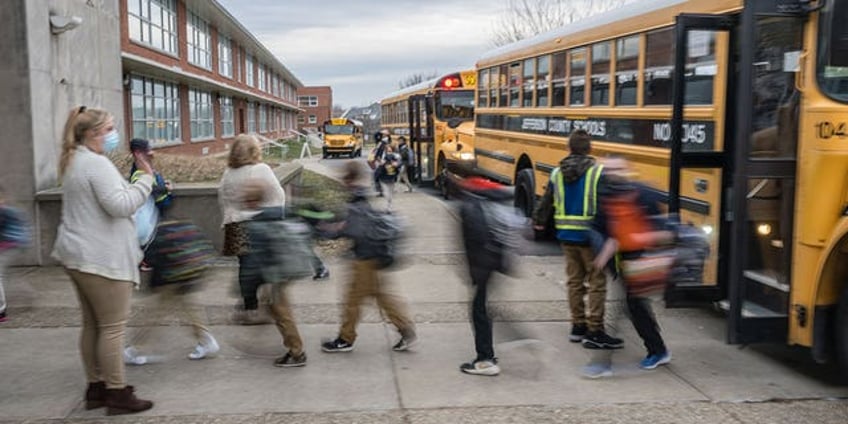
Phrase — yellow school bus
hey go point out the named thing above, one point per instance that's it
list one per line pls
(735, 110)
(437, 116)
(342, 136)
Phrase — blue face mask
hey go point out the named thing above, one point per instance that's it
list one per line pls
(111, 141)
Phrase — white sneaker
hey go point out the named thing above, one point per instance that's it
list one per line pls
(484, 367)
(205, 348)
(131, 357)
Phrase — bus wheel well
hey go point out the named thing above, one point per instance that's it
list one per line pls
(525, 186)
(523, 163)
(828, 342)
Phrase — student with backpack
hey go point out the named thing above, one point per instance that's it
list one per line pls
(373, 235)
(628, 219)
(389, 175)
(485, 237)
(407, 163)
(15, 234)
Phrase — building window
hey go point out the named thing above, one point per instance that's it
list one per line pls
(199, 41)
(263, 118)
(307, 101)
(301, 120)
(228, 127)
(200, 114)
(248, 70)
(225, 56)
(155, 110)
(262, 79)
(313, 119)
(251, 117)
(154, 22)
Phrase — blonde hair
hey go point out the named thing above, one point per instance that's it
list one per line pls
(245, 151)
(80, 121)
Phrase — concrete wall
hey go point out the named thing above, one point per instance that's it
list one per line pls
(197, 202)
(42, 77)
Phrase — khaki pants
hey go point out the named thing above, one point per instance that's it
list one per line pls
(174, 302)
(105, 308)
(366, 282)
(280, 310)
(582, 278)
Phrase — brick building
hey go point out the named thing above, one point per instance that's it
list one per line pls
(194, 77)
(317, 105)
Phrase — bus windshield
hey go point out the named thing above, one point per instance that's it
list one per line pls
(338, 129)
(455, 104)
(833, 51)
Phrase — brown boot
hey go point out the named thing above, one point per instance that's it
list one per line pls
(123, 401)
(95, 396)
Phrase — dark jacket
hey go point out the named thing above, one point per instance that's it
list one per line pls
(358, 227)
(481, 248)
(573, 167)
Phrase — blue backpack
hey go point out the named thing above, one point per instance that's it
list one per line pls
(15, 230)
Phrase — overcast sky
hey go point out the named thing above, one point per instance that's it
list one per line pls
(363, 48)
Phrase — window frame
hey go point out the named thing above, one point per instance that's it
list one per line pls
(228, 117)
(153, 117)
(140, 18)
(198, 41)
(225, 56)
(199, 116)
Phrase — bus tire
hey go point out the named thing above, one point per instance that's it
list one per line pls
(841, 329)
(525, 192)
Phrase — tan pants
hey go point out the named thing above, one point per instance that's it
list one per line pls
(366, 282)
(105, 308)
(580, 273)
(173, 302)
(279, 308)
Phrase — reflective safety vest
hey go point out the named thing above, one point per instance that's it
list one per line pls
(576, 216)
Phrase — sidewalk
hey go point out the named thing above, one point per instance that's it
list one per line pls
(708, 381)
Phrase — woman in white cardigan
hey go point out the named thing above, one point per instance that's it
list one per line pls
(245, 164)
(96, 243)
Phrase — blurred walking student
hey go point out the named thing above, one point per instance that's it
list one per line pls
(389, 174)
(628, 219)
(368, 280)
(176, 253)
(376, 158)
(570, 200)
(15, 234)
(278, 252)
(244, 164)
(98, 246)
(407, 163)
(483, 231)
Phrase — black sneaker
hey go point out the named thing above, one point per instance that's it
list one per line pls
(337, 345)
(488, 367)
(321, 274)
(405, 343)
(601, 340)
(291, 361)
(578, 332)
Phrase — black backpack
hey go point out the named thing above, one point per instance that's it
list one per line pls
(404, 154)
(384, 232)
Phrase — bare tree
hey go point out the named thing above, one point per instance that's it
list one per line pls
(525, 18)
(338, 110)
(417, 78)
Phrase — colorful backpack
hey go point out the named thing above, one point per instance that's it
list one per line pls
(179, 253)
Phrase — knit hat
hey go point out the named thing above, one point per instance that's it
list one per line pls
(139, 144)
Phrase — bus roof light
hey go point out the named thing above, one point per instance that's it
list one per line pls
(451, 82)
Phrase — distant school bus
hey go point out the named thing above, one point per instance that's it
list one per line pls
(342, 136)
(736, 111)
(437, 116)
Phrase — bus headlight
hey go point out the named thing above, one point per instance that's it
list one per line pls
(708, 229)
(463, 155)
(764, 229)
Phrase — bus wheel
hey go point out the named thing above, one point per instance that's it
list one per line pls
(525, 192)
(842, 335)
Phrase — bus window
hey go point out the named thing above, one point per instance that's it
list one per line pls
(455, 104)
(577, 81)
(543, 67)
(600, 74)
(833, 51)
(514, 83)
(558, 80)
(700, 67)
(627, 65)
(494, 80)
(775, 114)
(503, 99)
(483, 88)
(659, 51)
(529, 82)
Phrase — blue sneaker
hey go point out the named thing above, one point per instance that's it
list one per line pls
(595, 371)
(652, 361)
